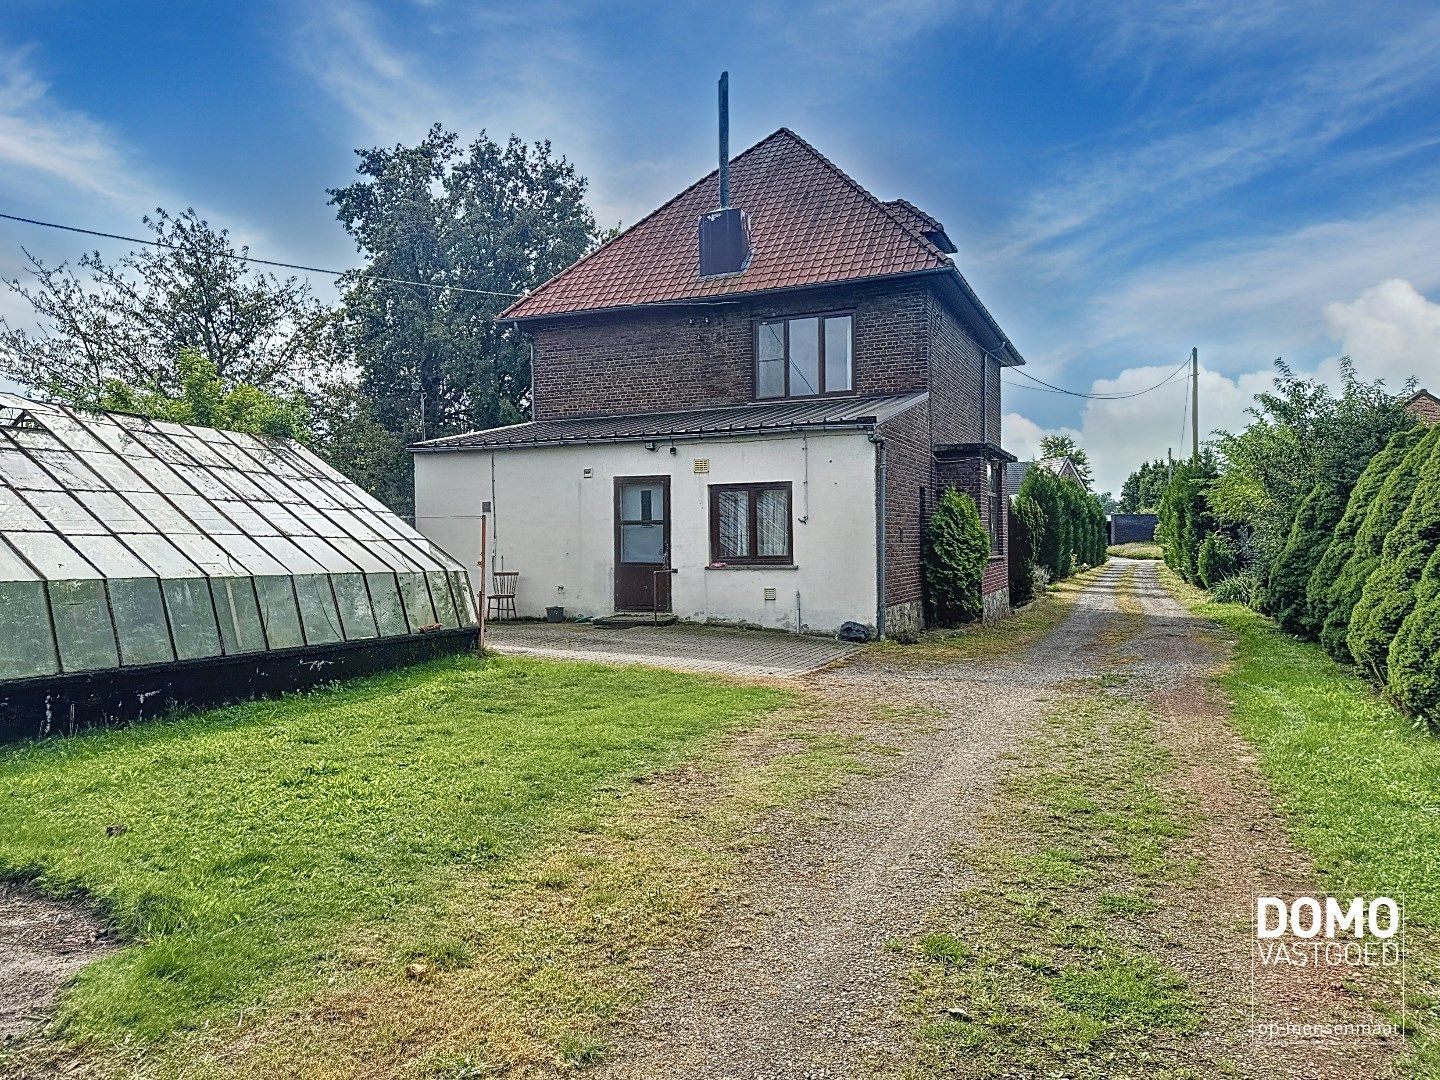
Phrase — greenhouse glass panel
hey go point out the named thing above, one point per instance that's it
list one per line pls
(192, 617)
(115, 472)
(113, 511)
(416, 595)
(204, 513)
(238, 613)
(203, 481)
(64, 512)
(83, 631)
(278, 613)
(162, 556)
(317, 609)
(385, 602)
(140, 621)
(356, 617)
(207, 554)
(440, 595)
(460, 586)
(158, 475)
(29, 649)
(162, 514)
(69, 470)
(52, 556)
(19, 470)
(16, 514)
(109, 556)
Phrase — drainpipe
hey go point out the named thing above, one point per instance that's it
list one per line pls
(879, 533)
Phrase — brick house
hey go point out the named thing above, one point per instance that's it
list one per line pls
(741, 414)
(1424, 406)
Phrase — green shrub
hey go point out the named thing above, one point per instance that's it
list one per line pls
(1027, 522)
(956, 549)
(1389, 593)
(1309, 538)
(1328, 604)
(1414, 660)
(1044, 487)
(1185, 518)
(1216, 561)
(1237, 589)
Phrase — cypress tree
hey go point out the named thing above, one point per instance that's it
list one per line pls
(1383, 516)
(1389, 593)
(1027, 522)
(1414, 660)
(1322, 591)
(956, 549)
(1309, 538)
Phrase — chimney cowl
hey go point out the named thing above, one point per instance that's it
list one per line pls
(724, 242)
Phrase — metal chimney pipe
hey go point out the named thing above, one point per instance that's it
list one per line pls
(724, 139)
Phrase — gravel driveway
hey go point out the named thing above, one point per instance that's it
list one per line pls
(799, 980)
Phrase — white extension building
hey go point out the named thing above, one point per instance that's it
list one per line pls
(761, 514)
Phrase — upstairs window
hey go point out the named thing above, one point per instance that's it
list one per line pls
(804, 357)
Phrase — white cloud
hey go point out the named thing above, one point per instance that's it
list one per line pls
(1391, 330)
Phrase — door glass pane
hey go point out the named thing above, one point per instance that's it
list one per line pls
(25, 629)
(772, 521)
(356, 618)
(82, 625)
(317, 609)
(192, 617)
(770, 361)
(732, 516)
(837, 353)
(804, 357)
(642, 502)
(238, 614)
(278, 613)
(385, 601)
(642, 543)
(140, 621)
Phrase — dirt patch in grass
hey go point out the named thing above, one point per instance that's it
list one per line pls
(43, 944)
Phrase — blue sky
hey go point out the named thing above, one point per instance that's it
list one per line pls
(1123, 180)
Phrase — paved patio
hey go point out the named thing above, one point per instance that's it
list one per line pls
(681, 646)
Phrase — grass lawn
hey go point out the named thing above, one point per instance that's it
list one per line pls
(278, 850)
(1360, 784)
(1136, 551)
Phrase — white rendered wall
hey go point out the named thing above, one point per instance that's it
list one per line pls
(556, 526)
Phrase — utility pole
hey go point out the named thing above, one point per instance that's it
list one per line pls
(1195, 405)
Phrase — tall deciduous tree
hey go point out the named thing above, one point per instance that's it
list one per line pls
(477, 225)
(130, 322)
(1144, 488)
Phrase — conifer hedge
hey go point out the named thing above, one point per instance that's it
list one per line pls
(1414, 659)
(1027, 523)
(1384, 514)
(1388, 596)
(1216, 561)
(1306, 545)
(1329, 604)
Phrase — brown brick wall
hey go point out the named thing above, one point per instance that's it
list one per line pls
(909, 479)
(1424, 408)
(957, 385)
(967, 474)
(690, 357)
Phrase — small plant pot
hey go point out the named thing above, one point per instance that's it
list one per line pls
(554, 614)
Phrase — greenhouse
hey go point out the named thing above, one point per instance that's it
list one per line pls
(146, 565)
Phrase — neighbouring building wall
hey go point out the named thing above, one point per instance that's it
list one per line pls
(1424, 407)
(685, 357)
(909, 498)
(555, 525)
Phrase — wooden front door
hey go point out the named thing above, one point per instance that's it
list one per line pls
(642, 543)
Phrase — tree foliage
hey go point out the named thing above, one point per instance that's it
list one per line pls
(1310, 537)
(1185, 517)
(1144, 488)
(204, 399)
(956, 550)
(1063, 446)
(1299, 431)
(1339, 576)
(130, 322)
(1074, 532)
(1414, 658)
(1216, 561)
(1027, 524)
(488, 219)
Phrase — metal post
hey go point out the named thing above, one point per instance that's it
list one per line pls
(484, 522)
(724, 139)
(1195, 405)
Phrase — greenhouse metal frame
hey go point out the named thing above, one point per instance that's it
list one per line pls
(146, 565)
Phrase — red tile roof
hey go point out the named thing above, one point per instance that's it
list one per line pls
(810, 224)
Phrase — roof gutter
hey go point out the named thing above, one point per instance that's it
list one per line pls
(868, 423)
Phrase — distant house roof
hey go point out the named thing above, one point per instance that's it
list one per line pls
(1425, 406)
(1060, 466)
(771, 417)
(810, 224)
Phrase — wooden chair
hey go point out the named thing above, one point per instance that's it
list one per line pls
(502, 595)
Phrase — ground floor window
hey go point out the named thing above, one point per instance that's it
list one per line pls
(750, 523)
(995, 505)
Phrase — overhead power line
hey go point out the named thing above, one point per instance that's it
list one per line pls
(1043, 385)
(261, 262)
